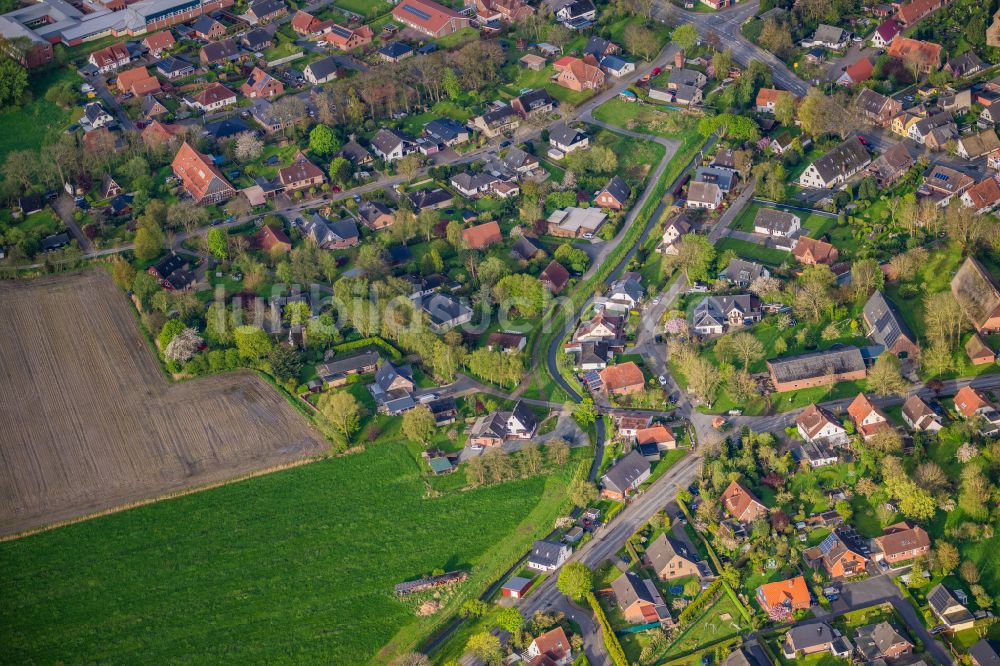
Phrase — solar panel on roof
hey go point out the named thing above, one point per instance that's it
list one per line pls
(828, 544)
(419, 13)
(341, 31)
(941, 176)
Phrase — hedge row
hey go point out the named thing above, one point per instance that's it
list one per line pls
(701, 602)
(375, 341)
(611, 642)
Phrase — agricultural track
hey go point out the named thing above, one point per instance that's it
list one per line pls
(88, 422)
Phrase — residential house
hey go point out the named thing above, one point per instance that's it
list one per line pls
(258, 39)
(989, 116)
(273, 240)
(212, 98)
(555, 277)
(885, 33)
(499, 426)
(519, 161)
(941, 183)
(527, 248)
(703, 195)
(615, 194)
(551, 648)
(510, 343)
(837, 166)
(445, 312)
(839, 554)
(918, 415)
(348, 39)
(718, 314)
(482, 236)
(577, 74)
(391, 145)
(819, 453)
(261, 84)
(985, 653)
(435, 199)
(816, 369)
(811, 252)
(677, 227)
(978, 294)
(429, 17)
(532, 103)
(566, 139)
(623, 378)
(868, 419)
(331, 235)
(356, 153)
(110, 58)
(395, 52)
(301, 174)
(891, 165)
(976, 145)
(336, 373)
(589, 356)
(773, 222)
(948, 611)
(679, 76)
(501, 120)
(577, 14)
(617, 67)
(376, 215)
(625, 476)
(934, 130)
(783, 141)
(887, 327)
(172, 68)
(109, 188)
(970, 403)
(669, 559)
(815, 423)
(320, 71)
(308, 25)
(393, 388)
(742, 504)
(782, 598)
(912, 12)
(573, 222)
(158, 42)
(446, 131)
(880, 642)
(602, 327)
(955, 101)
(857, 72)
(964, 65)
(217, 52)
(151, 108)
(96, 116)
(924, 56)
(137, 81)
(547, 556)
(828, 36)
(503, 11)
(624, 293)
(687, 96)
(263, 11)
(767, 99)
(201, 179)
(982, 197)
(807, 639)
(742, 273)
(978, 351)
(877, 107)
(207, 28)
(659, 436)
(639, 601)
(156, 134)
(901, 542)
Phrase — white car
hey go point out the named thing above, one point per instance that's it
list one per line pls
(663, 380)
(588, 236)
(656, 301)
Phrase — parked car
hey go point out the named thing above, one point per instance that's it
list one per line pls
(662, 379)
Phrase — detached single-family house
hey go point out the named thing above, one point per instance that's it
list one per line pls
(625, 476)
(501, 120)
(566, 139)
(964, 65)
(202, 180)
(392, 145)
(217, 52)
(982, 197)
(212, 98)
(767, 99)
(811, 252)
(837, 166)
(815, 423)
(891, 165)
(669, 559)
(555, 277)
(348, 39)
(321, 71)
(578, 74)
(717, 314)
(868, 419)
(924, 56)
(703, 195)
(877, 107)
(615, 194)
(110, 58)
(548, 556)
(301, 174)
(839, 555)
(783, 597)
(885, 33)
(742, 273)
(741, 504)
(887, 327)
(978, 294)
(828, 36)
(261, 84)
(780, 223)
(623, 378)
(533, 103)
(445, 312)
(901, 542)
(375, 214)
(807, 639)
(430, 18)
(880, 642)
(946, 608)
(918, 415)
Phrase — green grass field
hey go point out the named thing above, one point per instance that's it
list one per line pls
(297, 565)
(38, 122)
(367, 8)
(753, 251)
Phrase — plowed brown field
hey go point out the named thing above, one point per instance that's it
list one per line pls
(88, 422)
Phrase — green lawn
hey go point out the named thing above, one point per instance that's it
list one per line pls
(458, 38)
(522, 78)
(816, 224)
(297, 565)
(367, 8)
(710, 627)
(660, 30)
(38, 122)
(753, 251)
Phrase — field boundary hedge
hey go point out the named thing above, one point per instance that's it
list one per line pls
(611, 642)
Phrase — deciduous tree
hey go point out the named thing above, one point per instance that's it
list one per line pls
(418, 424)
(575, 580)
(343, 412)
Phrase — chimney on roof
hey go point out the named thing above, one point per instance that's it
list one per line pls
(679, 59)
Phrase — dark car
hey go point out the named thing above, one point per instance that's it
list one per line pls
(504, 144)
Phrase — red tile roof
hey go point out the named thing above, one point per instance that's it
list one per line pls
(137, 81)
(483, 235)
(656, 435)
(622, 376)
(860, 71)
(925, 54)
(860, 409)
(200, 176)
(793, 591)
(215, 92)
(110, 54)
(969, 401)
(984, 194)
(159, 40)
(426, 15)
(741, 503)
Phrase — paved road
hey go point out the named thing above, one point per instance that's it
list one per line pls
(64, 208)
(721, 226)
(726, 25)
